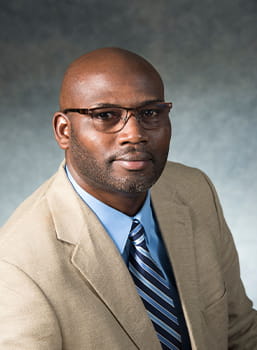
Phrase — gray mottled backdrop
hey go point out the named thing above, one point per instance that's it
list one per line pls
(206, 52)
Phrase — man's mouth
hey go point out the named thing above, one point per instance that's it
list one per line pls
(134, 161)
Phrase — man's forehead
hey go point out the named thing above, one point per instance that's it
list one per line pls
(93, 89)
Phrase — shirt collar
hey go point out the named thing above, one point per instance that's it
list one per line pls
(112, 219)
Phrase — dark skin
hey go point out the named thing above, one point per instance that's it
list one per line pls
(117, 168)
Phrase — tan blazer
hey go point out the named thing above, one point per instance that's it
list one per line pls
(64, 285)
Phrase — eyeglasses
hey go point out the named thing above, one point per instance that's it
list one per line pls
(113, 119)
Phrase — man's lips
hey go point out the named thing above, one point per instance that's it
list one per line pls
(134, 161)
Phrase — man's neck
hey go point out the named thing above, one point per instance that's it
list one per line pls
(128, 204)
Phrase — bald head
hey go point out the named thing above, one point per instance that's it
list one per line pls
(98, 68)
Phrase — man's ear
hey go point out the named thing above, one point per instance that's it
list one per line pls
(61, 126)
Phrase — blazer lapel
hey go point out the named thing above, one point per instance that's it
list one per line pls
(176, 229)
(100, 263)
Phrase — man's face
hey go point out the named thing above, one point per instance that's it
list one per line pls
(129, 161)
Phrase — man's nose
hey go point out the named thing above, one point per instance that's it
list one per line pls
(132, 131)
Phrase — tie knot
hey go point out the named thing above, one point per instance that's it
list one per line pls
(137, 233)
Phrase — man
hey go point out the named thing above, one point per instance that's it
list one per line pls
(73, 274)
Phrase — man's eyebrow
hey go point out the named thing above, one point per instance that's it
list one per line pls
(107, 105)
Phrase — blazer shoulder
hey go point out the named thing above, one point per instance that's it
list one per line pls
(185, 185)
(27, 206)
(182, 176)
(53, 213)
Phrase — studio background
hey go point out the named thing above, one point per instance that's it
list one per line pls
(206, 52)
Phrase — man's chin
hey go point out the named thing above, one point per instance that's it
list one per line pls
(127, 185)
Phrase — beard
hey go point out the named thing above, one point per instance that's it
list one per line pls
(102, 175)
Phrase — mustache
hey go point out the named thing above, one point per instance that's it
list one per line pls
(132, 153)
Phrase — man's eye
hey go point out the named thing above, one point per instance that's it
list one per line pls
(150, 113)
(105, 116)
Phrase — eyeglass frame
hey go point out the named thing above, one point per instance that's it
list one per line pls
(88, 111)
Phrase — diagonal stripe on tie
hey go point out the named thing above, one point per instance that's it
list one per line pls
(150, 285)
(153, 277)
(153, 290)
(151, 301)
(150, 270)
(143, 256)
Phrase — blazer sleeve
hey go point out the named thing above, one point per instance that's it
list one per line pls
(242, 332)
(27, 321)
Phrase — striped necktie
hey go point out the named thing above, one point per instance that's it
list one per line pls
(153, 290)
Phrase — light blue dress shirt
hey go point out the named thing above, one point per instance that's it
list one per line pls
(118, 225)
